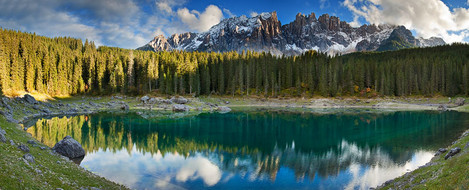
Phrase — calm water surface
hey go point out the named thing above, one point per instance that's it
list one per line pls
(262, 150)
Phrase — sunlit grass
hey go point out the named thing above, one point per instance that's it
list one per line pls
(37, 95)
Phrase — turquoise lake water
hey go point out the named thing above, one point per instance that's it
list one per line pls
(256, 149)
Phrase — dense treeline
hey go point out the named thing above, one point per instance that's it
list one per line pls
(62, 66)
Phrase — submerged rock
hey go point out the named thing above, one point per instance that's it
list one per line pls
(223, 109)
(452, 152)
(69, 147)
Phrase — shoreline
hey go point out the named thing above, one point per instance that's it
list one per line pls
(27, 114)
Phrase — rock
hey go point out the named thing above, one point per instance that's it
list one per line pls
(180, 108)
(440, 151)
(28, 157)
(144, 99)
(153, 100)
(31, 142)
(227, 102)
(442, 108)
(166, 101)
(459, 101)
(3, 137)
(93, 104)
(125, 107)
(23, 148)
(69, 147)
(223, 109)
(452, 152)
(30, 99)
(5, 102)
(179, 100)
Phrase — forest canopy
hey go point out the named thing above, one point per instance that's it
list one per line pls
(67, 66)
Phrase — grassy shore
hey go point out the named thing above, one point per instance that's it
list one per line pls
(51, 171)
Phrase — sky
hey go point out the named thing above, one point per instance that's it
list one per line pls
(133, 23)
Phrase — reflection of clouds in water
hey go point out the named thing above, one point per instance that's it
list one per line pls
(137, 168)
(199, 167)
(372, 176)
(360, 167)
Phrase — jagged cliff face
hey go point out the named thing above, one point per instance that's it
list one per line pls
(265, 33)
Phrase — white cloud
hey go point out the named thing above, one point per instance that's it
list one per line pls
(120, 23)
(427, 17)
(164, 7)
(200, 21)
(229, 13)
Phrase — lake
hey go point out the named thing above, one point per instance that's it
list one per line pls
(256, 149)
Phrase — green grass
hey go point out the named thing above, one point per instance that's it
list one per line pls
(446, 174)
(16, 174)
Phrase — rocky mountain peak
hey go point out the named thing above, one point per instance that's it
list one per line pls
(265, 32)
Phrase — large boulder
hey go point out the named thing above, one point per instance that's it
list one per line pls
(144, 99)
(459, 101)
(180, 108)
(452, 152)
(69, 147)
(30, 99)
(179, 100)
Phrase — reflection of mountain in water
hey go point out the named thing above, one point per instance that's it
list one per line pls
(261, 143)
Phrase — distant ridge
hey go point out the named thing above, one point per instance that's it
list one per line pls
(264, 32)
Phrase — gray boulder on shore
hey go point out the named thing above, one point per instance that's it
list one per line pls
(452, 152)
(28, 157)
(2, 135)
(180, 108)
(30, 99)
(459, 101)
(69, 147)
(179, 100)
(23, 148)
(144, 99)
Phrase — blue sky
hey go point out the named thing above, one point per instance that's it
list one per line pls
(132, 23)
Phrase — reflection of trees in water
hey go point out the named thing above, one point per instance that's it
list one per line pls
(264, 141)
(308, 165)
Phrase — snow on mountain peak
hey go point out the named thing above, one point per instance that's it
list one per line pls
(264, 33)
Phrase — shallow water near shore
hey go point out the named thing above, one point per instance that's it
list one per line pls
(256, 149)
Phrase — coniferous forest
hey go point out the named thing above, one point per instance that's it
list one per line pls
(67, 66)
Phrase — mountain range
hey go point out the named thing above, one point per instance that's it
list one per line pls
(264, 32)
